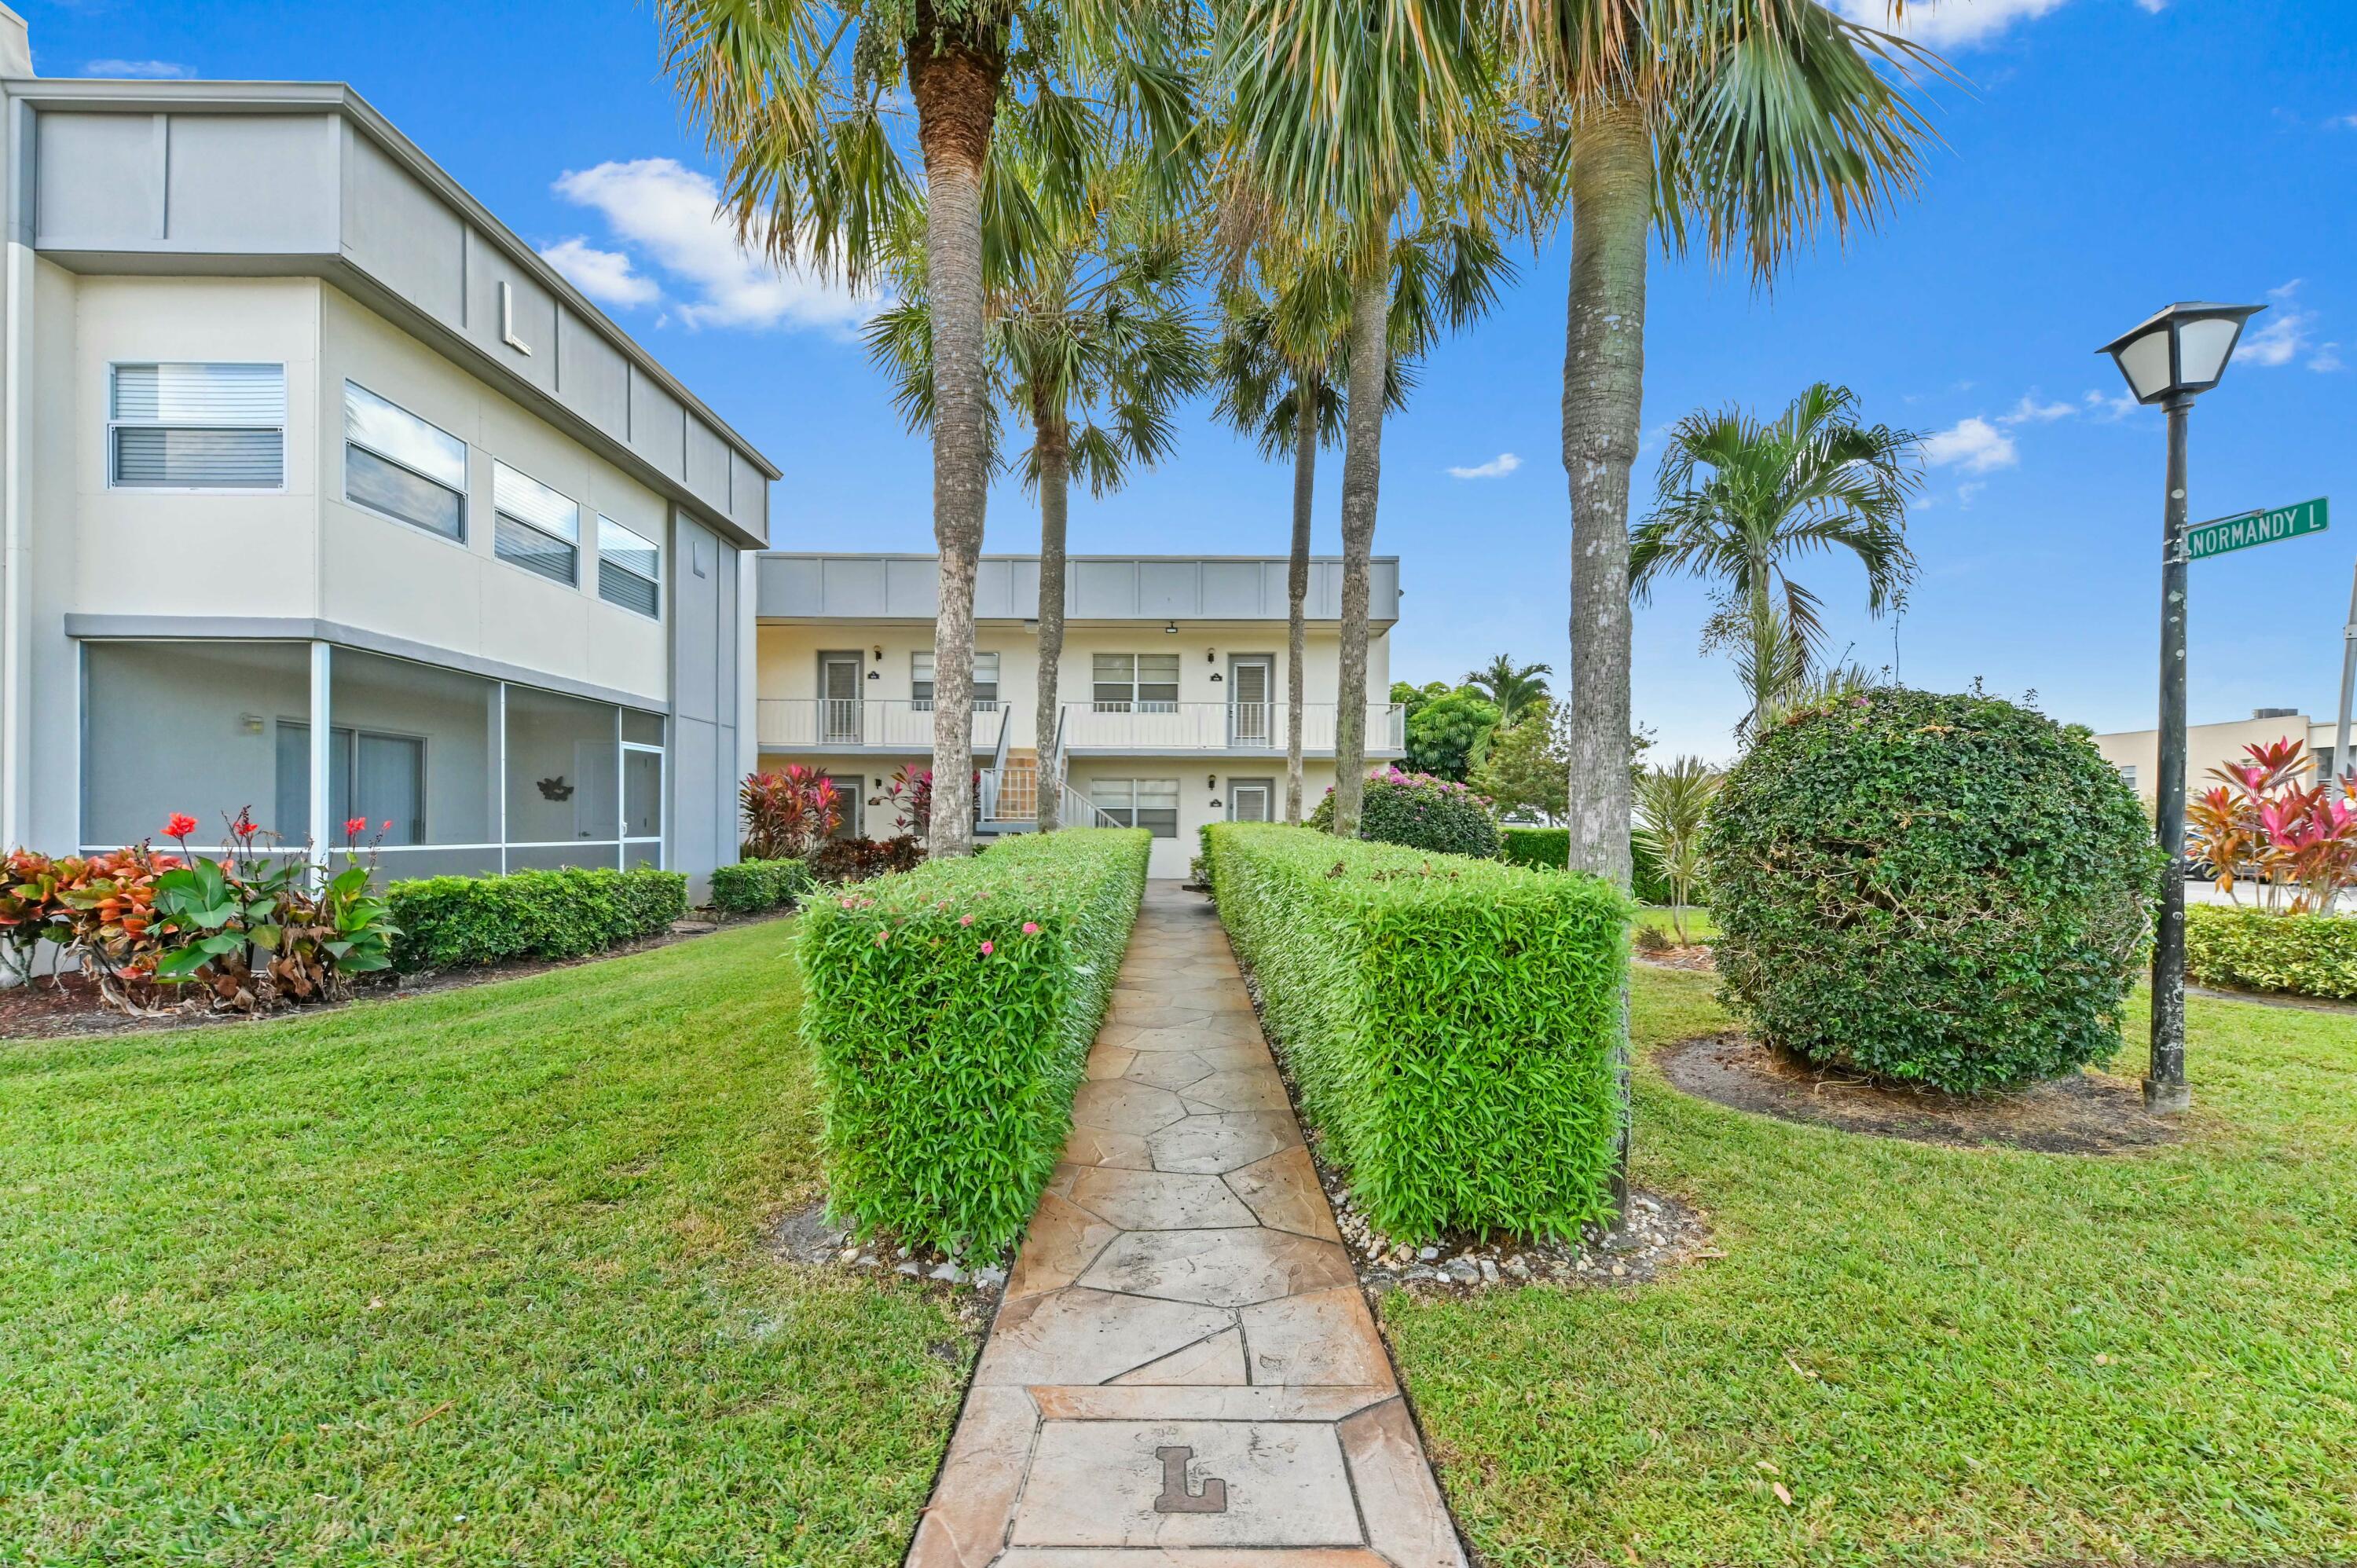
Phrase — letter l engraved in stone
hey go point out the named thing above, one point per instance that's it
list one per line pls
(1175, 1498)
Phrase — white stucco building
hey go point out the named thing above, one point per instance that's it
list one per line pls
(325, 496)
(1171, 690)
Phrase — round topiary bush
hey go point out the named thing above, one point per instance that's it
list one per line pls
(1944, 890)
(1422, 813)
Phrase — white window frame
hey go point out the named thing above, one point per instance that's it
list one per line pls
(1134, 703)
(924, 656)
(498, 512)
(654, 581)
(1126, 815)
(465, 491)
(114, 366)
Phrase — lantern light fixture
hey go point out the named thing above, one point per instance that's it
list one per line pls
(2181, 351)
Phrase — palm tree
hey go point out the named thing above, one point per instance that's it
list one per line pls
(1514, 688)
(1742, 124)
(804, 96)
(1673, 808)
(1092, 343)
(1739, 500)
(1356, 125)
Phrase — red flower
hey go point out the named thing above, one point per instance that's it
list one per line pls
(388, 825)
(355, 826)
(180, 826)
(244, 827)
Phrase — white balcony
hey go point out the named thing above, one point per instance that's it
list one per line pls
(1152, 727)
(828, 724)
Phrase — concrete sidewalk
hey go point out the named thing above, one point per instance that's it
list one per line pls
(1183, 1360)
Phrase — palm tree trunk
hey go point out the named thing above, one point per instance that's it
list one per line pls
(954, 81)
(1362, 461)
(1603, 397)
(1055, 483)
(1297, 588)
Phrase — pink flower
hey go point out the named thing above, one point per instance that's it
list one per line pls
(986, 948)
(965, 919)
(1030, 927)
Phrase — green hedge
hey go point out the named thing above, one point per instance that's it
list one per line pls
(751, 887)
(2250, 950)
(1449, 1022)
(1549, 849)
(950, 1037)
(456, 922)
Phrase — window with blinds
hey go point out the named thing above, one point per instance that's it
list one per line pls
(1148, 803)
(1136, 682)
(629, 568)
(177, 425)
(985, 680)
(396, 463)
(534, 527)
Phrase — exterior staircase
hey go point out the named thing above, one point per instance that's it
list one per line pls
(1013, 806)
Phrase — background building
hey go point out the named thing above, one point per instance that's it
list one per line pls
(2137, 753)
(1171, 687)
(325, 496)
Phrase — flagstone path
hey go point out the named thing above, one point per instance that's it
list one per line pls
(1183, 1371)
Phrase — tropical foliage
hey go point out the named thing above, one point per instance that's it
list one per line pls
(788, 814)
(1450, 1023)
(1741, 499)
(1515, 689)
(1450, 736)
(1949, 891)
(1672, 811)
(2265, 822)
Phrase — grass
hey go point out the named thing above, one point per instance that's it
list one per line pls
(1942, 1356)
(1700, 928)
(472, 1277)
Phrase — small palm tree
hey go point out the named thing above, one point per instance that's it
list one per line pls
(1514, 688)
(825, 153)
(1739, 501)
(1093, 343)
(1672, 809)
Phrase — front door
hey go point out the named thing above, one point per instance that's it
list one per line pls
(1250, 677)
(838, 698)
(1252, 799)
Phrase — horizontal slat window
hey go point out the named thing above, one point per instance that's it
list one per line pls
(192, 427)
(538, 529)
(1147, 683)
(629, 569)
(1148, 803)
(397, 464)
(985, 680)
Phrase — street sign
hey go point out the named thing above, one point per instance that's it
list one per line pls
(2246, 529)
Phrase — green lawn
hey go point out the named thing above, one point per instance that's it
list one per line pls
(1943, 1357)
(475, 1278)
(1699, 926)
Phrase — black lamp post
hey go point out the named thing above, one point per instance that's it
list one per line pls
(2172, 360)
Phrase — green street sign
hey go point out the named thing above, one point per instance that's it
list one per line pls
(2246, 529)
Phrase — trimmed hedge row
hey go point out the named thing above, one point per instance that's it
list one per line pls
(1549, 849)
(1450, 1022)
(458, 922)
(951, 1009)
(752, 887)
(2250, 950)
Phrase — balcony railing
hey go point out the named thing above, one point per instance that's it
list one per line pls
(1220, 727)
(825, 724)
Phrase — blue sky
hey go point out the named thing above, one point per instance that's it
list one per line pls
(2109, 155)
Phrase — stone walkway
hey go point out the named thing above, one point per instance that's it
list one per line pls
(1183, 1371)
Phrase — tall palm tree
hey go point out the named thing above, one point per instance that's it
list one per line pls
(804, 96)
(1744, 126)
(1092, 344)
(1514, 688)
(1358, 124)
(1739, 500)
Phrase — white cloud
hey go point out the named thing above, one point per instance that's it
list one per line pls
(1950, 23)
(1967, 492)
(1497, 467)
(147, 69)
(671, 213)
(2030, 410)
(1974, 444)
(605, 277)
(2152, 7)
(2326, 357)
(2110, 408)
(2343, 122)
(2283, 331)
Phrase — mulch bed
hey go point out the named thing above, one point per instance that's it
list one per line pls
(2084, 1114)
(1696, 958)
(69, 1005)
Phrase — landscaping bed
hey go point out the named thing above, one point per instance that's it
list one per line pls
(484, 1276)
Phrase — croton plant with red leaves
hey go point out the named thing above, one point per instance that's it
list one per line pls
(2265, 822)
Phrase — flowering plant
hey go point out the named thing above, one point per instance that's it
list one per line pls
(788, 814)
(2263, 822)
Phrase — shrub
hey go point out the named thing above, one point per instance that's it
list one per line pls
(750, 886)
(1549, 849)
(1943, 891)
(1450, 736)
(1422, 813)
(456, 922)
(856, 860)
(951, 1011)
(1450, 1022)
(2251, 949)
(787, 815)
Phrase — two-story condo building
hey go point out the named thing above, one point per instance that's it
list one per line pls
(326, 496)
(1172, 685)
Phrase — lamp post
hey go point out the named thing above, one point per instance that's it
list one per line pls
(2172, 360)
